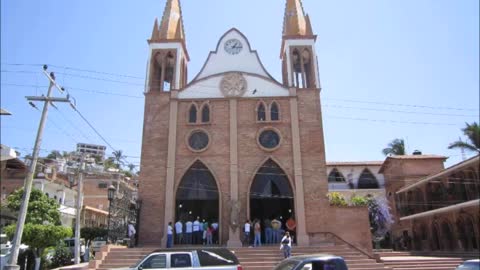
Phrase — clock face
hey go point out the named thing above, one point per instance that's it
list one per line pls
(233, 46)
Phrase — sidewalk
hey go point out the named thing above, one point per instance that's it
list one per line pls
(80, 266)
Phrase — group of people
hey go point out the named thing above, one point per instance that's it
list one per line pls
(273, 230)
(197, 232)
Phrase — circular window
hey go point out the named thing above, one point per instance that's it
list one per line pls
(269, 139)
(198, 140)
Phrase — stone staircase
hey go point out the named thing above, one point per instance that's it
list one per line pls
(421, 263)
(259, 258)
(264, 258)
(439, 260)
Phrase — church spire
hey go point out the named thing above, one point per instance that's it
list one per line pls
(155, 32)
(171, 26)
(295, 22)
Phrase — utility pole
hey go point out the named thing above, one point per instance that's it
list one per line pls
(79, 211)
(27, 189)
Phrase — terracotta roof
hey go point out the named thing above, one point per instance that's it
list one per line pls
(409, 157)
(16, 164)
(417, 157)
(93, 209)
(354, 163)
(459, 166)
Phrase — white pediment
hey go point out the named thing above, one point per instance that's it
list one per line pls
(256, 86)
(233, 55)
(220, 60)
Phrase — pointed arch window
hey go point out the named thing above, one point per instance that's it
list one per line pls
(274, 112)
(335, 176)
(261, 115)
(367, 180)
(192, 114)
(198, 183)
(271, 182)
(205, 113)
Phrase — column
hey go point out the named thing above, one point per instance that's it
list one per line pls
(233, 235)
(302, 237)
(169, 185)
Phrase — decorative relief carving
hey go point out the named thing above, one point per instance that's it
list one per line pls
(233, 84)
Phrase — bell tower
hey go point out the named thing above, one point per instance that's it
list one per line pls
(167, 64)
(299, 60)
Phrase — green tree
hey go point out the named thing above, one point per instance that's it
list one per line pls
(38, 237)
(472, 131)
(90, 233)
(54, 154)
(131, 167)
(395, 148)
(109, 163)
(118, 157)
(41, 208)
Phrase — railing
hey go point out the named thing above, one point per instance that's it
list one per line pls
(350, 245)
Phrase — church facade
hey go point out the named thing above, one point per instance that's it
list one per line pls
(235, 144)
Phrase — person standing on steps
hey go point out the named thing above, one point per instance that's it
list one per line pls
(197, 236)
(246, 231)
(169, 235)
(188, 232)
(131, 234)
(286, 245)
(276, 224)
(258, 233)
(291, 227)
(179, 232)
(267, 224)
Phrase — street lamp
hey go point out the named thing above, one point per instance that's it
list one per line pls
(111, 195)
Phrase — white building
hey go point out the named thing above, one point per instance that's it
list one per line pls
(64, 195)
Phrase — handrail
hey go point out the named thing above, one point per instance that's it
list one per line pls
(350, 245)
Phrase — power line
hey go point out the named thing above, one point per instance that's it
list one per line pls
(389, 121)
(396, 111)
(79, 89)
(94, 129)
(404, 105)
(77, 69)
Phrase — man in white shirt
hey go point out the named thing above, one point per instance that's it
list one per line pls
(188, 232)
(196, 232)
(131, 234)
(179, 232)
(169, 235)
(246, 230)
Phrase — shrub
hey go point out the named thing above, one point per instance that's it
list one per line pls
(358, 201)
(336, 199)
(62, 256)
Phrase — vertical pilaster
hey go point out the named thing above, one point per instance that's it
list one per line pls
(233, 235)
(302, 237)
(172, 144)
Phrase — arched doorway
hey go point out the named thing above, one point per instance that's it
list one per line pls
(471, 234)
(271, 195)
(447, 235)
(435, 237)
(197, 195)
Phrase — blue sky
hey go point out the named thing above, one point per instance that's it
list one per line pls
(389, 69)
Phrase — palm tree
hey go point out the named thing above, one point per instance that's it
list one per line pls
(131, 166)
(395, 148)
(118, 156)
(472, 131)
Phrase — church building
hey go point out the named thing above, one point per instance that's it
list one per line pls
(234, 143)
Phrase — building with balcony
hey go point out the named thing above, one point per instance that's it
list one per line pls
(435, 209)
